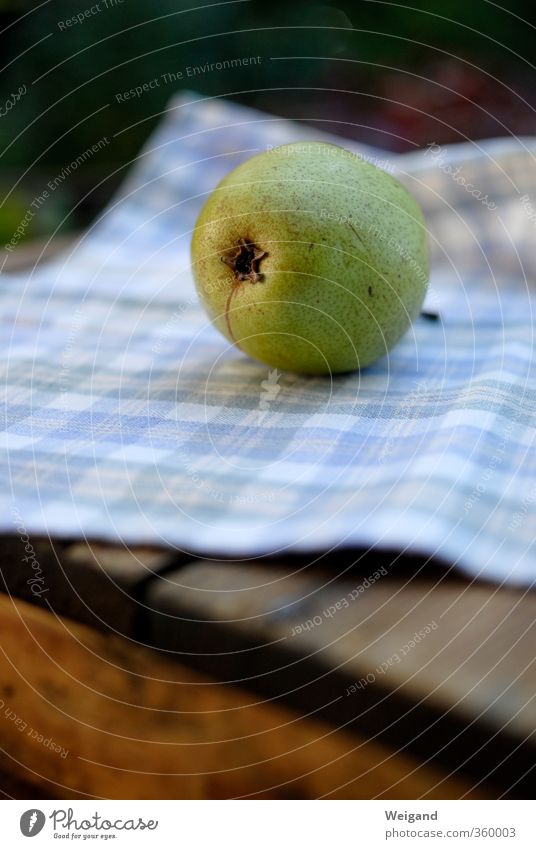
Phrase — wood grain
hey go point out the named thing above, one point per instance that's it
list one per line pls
(137, 725)
(446, 670)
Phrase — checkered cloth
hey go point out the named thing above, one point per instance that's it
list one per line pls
(130, 418)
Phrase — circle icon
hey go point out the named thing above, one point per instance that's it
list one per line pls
(31, 822)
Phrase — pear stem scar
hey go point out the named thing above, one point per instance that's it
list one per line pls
(244, 261)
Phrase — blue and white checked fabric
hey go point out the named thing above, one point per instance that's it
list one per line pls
(128, 417)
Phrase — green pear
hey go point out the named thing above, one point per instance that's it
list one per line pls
(310, 259)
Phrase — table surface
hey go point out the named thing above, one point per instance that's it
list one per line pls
(401, 651)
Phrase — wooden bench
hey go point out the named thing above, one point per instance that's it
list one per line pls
(144, 674)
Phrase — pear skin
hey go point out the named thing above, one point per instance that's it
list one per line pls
(310, 259)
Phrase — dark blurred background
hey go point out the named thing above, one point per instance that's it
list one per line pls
(394, 75)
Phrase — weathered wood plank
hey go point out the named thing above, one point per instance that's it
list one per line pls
(98, 584)
(461, 691)
(138, 725)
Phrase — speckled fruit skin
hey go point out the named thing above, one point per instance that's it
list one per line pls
(344, 264)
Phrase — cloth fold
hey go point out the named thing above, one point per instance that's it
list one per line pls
(128, 417)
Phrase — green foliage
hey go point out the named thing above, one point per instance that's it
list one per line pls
(76, 75)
